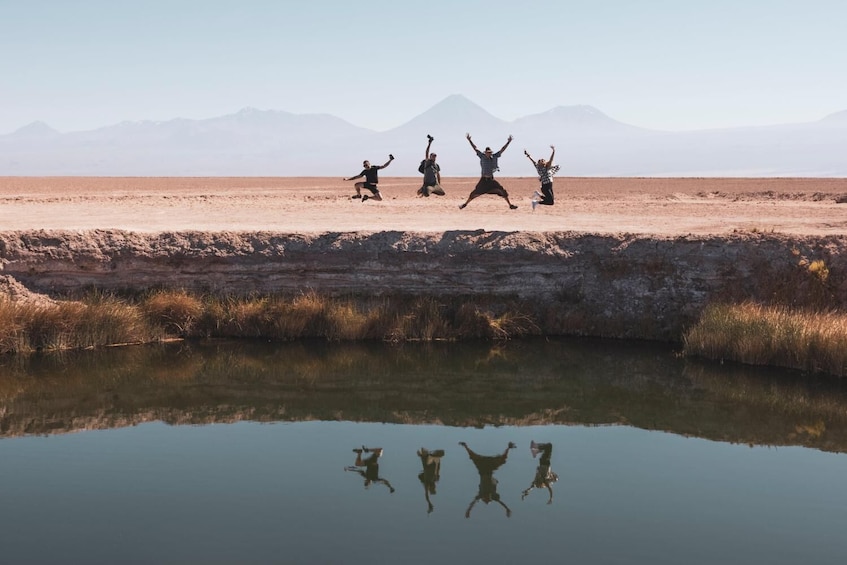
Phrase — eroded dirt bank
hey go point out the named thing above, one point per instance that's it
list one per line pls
(631, 286)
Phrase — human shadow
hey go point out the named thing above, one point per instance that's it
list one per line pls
(486, 465)
(544, 475)
(431, 461)
(368, 467)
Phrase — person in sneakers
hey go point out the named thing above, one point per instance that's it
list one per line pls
(488, 166)
(371, 180)
(546, 170)
(431, 172)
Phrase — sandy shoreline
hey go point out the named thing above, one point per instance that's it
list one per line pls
(664, 207)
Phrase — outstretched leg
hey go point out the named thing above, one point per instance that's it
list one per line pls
(470, 197)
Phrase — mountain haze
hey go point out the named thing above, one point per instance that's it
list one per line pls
(255, 142)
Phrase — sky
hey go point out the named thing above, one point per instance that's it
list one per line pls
(661, 64)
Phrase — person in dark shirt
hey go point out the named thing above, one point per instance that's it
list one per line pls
(371, 180)
(368, 467)
(431, 173)
(488, 166)
(486, 465)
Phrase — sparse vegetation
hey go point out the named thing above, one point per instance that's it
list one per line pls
(100, 320)
(771, 335)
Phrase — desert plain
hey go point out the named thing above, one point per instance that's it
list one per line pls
(644, 206)
(620, 257)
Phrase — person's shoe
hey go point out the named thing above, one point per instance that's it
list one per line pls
(538, 194)
(356, 196)
(512, 445)
(357, 450)
(513, 206)
(533, 447)
(534, 204)
(365, 197)
(462, 206)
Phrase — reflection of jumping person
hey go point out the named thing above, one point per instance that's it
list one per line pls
(544, 476)
(431, 461)
(486, 465)
(546, 170)
(431, 173)
(371, 179)
(488, 166)
(369, 467)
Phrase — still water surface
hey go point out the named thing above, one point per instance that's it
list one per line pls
(244, 453)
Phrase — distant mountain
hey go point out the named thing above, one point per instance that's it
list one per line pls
(584, 119)
(255, 142)
(836, 118)
(35, 130)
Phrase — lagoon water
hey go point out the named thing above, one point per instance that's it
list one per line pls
(244, 453)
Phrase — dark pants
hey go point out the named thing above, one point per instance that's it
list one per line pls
(489, 185)
(546, 194)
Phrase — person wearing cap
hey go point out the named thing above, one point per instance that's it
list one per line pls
(488, 166)
(371, 179)
(431, 172)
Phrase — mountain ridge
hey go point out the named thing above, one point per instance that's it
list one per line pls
(254, 142)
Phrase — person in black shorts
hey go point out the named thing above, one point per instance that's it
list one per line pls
(488, 166)
(371, 179)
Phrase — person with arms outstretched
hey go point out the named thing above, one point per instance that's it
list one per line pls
(545, 170)
(486, 465)
(488, 166)
(370, 172)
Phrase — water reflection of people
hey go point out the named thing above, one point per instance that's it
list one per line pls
(544, 475)
(486, 465)
(368, 467)
(431, 461)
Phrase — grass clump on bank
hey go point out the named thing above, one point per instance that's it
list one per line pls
(771, 335)
(100, 320)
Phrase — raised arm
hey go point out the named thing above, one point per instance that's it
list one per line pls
(550, 160)
(390, 158)
(525, 152)
(428, 144)
(508, 141)
(471, 142)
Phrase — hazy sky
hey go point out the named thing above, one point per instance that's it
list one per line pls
(664, 64)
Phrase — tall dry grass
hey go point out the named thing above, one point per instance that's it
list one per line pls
(771, 335)
(99, 320)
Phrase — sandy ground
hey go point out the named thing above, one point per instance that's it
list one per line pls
(308, 205)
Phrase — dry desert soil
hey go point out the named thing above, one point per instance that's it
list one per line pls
(644, 206)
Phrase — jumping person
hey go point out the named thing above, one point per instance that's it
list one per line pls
(546, 170)
(368, 467)
(486, 465)
(431, 461)
(544, 475)
(371, 179)
(431, 172)
(488, 166)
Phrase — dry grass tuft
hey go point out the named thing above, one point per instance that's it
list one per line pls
(771, 335)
